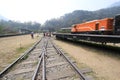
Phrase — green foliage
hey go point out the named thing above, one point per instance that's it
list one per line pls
(25, 57)
(64, 30)
(21, 49)
(79, 16)
(8, 27)
(1, 29)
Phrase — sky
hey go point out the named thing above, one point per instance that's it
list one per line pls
(42, 10)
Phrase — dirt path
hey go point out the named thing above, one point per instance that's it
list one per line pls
(104, 66)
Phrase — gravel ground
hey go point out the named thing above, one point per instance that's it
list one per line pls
(24, 69)
(104, 67)
(10, 48)
(57, 68)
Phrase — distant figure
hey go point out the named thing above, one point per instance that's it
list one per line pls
(44, 34)
(32, 35)
(49, 34)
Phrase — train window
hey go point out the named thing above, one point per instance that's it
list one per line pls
(117, 20)
(96, 26)
(74, 26)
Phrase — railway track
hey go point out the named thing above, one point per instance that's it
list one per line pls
(44, 61)
(55, 65)
(23, 68)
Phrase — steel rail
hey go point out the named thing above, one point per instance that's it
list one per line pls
(37, 69)
(18, 59)
(44, 66)
(73, 65)
(58, 52)
(42, 62)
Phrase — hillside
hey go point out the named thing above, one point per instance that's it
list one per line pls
(12, 27)
(79, 16)
(115, 4)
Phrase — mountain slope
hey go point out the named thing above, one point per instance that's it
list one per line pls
(115, 4)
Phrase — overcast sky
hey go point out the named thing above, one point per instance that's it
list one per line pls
(42, 10)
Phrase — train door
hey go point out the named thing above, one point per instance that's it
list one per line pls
(117, 24)
(97, 26)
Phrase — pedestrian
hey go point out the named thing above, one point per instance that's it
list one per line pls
(49, 34)
(44, 34)
(32, 35)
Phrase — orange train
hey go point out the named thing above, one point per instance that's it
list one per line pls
(102, 26)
